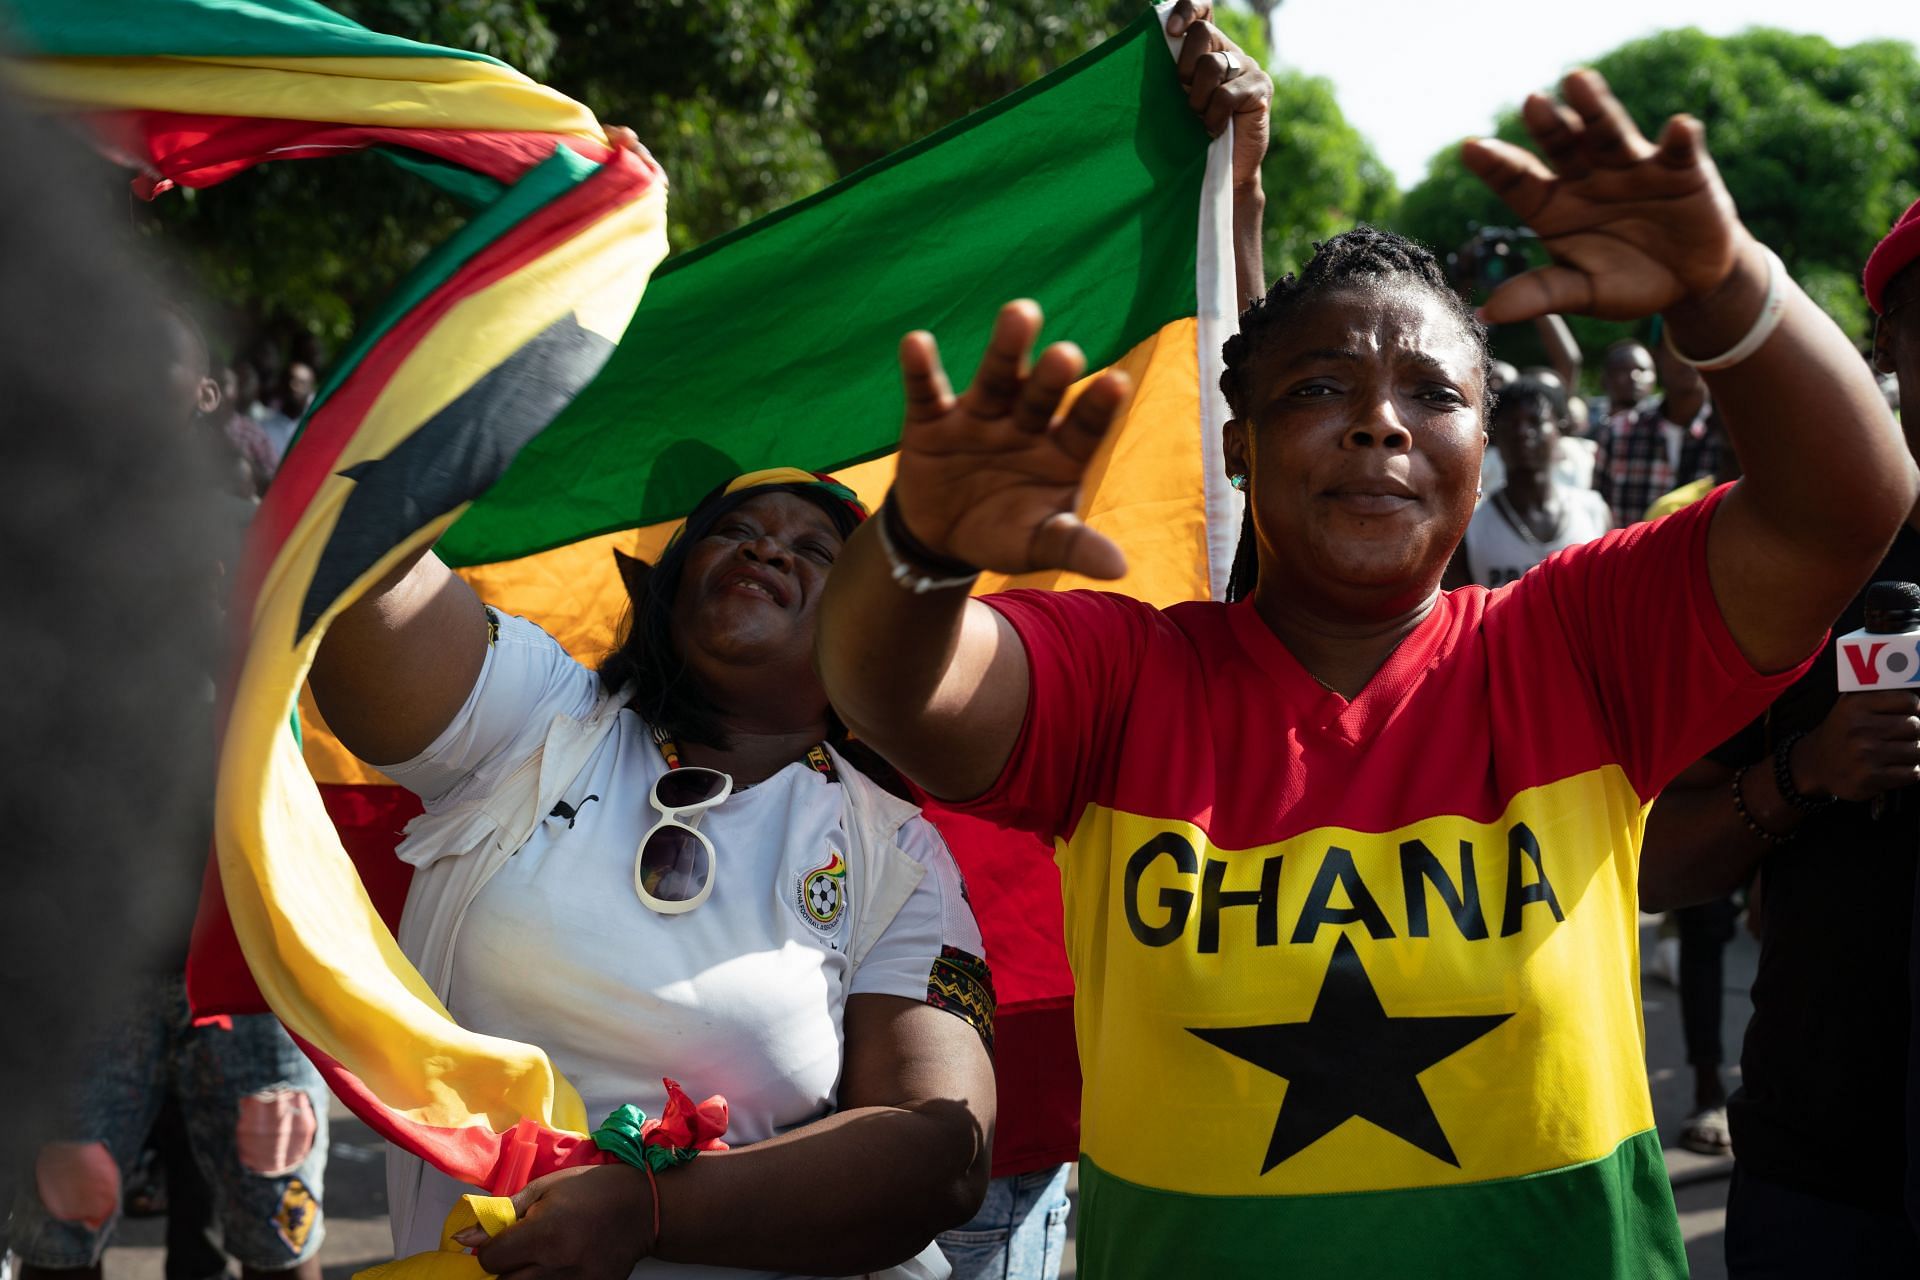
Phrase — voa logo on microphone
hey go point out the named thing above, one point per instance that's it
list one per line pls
(1870, 660)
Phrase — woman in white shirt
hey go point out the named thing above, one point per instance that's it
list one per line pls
(710, 891)
(1532, 514)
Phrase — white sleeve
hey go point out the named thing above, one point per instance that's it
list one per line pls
(932, 951)
(526, 679)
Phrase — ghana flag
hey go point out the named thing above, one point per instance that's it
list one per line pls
(1093, 190)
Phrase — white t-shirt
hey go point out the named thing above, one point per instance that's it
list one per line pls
(743, 996)
(1499, 549)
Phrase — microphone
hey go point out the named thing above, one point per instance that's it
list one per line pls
(1883, 654)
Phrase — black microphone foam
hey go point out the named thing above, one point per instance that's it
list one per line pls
(1892, 607)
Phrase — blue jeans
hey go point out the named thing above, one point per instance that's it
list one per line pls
(255, 1113)
(1020, 1232)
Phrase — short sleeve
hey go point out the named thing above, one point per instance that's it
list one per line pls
(1085, 650)
(1638, 612)
(526, 680)
(932, 949)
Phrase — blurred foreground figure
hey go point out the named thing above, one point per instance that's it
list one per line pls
(250, 1112)
(105, 767)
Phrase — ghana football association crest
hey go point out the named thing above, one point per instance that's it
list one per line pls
(821, 893)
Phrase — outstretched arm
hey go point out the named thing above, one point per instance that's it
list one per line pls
(1563, 353)
(935, 682)
(1636, 227)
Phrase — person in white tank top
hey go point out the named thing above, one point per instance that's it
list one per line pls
(1532, 515)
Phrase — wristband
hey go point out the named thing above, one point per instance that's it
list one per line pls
(1740, 807)
(1783, 778)
(1771, 311)
(680, 1134)
(911, 564)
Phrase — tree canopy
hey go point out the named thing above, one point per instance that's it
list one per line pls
(752, 104)
(1819, 145)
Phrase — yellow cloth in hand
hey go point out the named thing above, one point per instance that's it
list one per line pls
(450, 1261)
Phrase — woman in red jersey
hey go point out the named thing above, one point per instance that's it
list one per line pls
(1349, 863)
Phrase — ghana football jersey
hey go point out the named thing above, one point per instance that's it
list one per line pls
(1358, 982)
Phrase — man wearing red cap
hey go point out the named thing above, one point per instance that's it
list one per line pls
(1816, 799)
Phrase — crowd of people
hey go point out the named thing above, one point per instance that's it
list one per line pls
(1352, 862)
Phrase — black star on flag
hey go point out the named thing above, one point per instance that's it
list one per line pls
(1350, 1059)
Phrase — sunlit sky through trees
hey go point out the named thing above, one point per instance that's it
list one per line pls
(1415, 76)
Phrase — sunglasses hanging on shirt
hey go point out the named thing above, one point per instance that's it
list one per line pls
(675, 864)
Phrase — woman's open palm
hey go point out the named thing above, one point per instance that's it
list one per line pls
(1633, 226)
(992, 476)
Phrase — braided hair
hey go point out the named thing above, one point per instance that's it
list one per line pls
(1365, 257)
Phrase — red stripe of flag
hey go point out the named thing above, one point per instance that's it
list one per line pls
(174, 147)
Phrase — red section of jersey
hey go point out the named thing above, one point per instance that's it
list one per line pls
(370, 820)
(1038, 1083)
(1610, 653)
(1013, 886)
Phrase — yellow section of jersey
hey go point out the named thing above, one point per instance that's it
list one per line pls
(1517, 975)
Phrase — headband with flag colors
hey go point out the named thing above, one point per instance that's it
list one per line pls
(784, 476)
(1093, 190)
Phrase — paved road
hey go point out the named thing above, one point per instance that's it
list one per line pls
(356, 1189)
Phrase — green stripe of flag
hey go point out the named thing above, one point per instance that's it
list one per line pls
(202, 29)
(776, 344)
(1608, 1219)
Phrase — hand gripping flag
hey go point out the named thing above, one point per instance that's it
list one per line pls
(456, 417)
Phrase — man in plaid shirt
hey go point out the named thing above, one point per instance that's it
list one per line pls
(1646, 452)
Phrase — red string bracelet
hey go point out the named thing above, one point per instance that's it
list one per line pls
(653, 1188)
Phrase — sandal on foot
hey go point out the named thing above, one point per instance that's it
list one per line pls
(1707, 1132)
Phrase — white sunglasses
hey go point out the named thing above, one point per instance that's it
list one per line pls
(673, 869)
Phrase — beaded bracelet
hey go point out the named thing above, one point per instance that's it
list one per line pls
(1740, 807)
(914, 566)
(1783, 778)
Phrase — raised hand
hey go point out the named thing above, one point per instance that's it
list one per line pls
(991, 477)
(1223, 84)
(1633, 226)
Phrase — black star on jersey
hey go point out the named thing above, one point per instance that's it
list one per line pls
(1350, 1059)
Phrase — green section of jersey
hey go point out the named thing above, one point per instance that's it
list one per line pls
(1609, 1219)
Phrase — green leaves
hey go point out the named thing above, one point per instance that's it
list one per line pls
(1321, 176)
